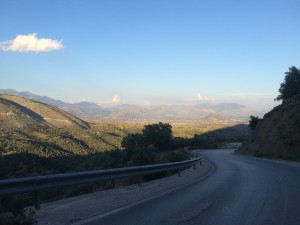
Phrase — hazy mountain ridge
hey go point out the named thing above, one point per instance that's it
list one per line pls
(39, 112)
(25, 94)
(134, 112)
(278, 133)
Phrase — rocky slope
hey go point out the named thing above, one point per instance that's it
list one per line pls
(278, 134)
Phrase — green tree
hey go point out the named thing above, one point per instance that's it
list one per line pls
(291, 84)
(132, 141)
(158, 135)
(253, 122)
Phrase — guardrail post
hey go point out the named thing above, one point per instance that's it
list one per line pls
(140, 181)
(194, 166)
(37, 200)
(200, 162)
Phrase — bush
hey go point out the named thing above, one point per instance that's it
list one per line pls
(144, 156)
(291, 84)
(253, 122)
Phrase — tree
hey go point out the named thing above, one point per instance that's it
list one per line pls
(132, 141)
(158, 135)
(291, 84)
(253, 122)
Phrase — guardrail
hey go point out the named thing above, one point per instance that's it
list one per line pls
(39, 183)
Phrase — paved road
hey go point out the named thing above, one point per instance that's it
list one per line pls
(240, 191)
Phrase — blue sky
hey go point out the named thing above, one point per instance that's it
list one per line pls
(150, 52)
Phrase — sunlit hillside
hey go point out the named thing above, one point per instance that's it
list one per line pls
(33, 127)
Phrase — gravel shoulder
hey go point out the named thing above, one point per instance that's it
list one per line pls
(80, 209)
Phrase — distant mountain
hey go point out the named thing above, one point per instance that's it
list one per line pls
(84, 109)
(44, 99)
(133, 112)
(227, 107)
(179, 112)
(233, 110)
(123, 107)
(213, 118)
(80, 109)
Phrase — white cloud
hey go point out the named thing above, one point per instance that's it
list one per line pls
(201, 97)
(30, 43)
(116, 99)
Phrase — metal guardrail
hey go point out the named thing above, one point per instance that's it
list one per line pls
(39, 183)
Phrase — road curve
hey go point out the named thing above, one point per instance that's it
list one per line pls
(240, 191)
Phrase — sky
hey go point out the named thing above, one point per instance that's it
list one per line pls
(150, 52)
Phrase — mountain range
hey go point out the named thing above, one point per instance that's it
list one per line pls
(133, 112)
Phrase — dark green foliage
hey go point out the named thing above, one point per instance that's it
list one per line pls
(175, 156)
(102, 160)
(144, 156)
(158, 135)
(132, 141)
(253, 122)
(179, 142)
(291, 84)
(25, 164)
(150, 146)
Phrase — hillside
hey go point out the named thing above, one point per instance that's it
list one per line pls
(278, 134)
(15, 116)
(22, 110)
(28, 126)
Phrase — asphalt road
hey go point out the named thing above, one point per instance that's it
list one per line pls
(240, 191)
